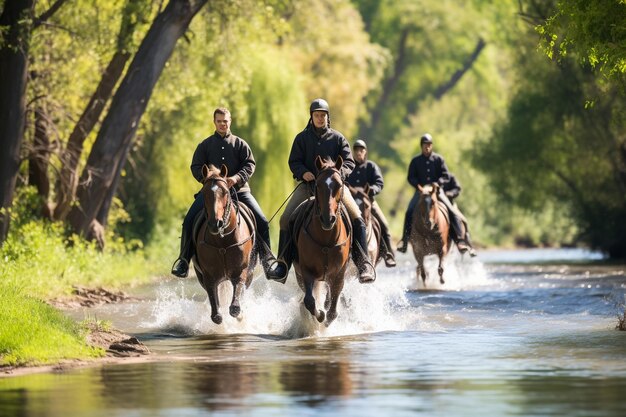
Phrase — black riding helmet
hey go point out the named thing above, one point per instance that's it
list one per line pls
(426, 138)
(319, 104)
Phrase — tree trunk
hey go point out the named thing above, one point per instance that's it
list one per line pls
(68, 177)
(134, 13)
(17, 18)
(129, 103)
(39, 158)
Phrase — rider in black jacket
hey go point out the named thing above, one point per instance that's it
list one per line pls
(365, 173)
(319, 139)
(224, 148)
(428, 168)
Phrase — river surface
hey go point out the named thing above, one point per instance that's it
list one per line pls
(511, 333)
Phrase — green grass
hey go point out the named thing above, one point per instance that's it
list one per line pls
(32, 332)
(38, 261)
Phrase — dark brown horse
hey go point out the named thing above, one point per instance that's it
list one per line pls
(363, 200)
(323, 243)
(223, 242)
(430, 232)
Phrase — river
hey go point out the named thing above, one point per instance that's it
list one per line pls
(510, 333)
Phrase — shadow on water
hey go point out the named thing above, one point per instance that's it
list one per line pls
(519, 338)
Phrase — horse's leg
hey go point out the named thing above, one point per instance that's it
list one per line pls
(440, 269)
(421, 270)
(335, 291)
(215, 304)
(328, 297)
(309, 301)
(238, 288)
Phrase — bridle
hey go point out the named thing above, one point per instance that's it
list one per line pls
(212, 182)
(317, 210)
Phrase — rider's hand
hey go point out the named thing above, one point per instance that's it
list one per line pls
(308, 176)
(232, 181)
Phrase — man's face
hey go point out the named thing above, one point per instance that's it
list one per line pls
(222, 123)
(427, 149)
(360, 154)
(320, 119)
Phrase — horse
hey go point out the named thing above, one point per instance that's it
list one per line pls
(373, 235)
(430, 231)
(224, 242)
(323, 242)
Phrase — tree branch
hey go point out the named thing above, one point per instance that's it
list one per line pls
(48, 13)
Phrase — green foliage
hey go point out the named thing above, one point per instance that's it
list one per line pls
(552, 152)
(40, 258)
(595, 30)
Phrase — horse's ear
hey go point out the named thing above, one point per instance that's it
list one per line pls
(339, 163)
(318, 163)
(205, 171)
(367, 189)
(435, 188)
(223, 171)
(420, 189)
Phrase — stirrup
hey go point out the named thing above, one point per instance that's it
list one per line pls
(180, 268)
(273, 275)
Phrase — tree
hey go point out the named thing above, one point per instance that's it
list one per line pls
(134, 13)
(17, 22)
(592, 29)
(122, 120)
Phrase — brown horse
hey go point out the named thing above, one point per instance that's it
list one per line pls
(223, 242)
(323, 243)
(363, 200)
(430, 232)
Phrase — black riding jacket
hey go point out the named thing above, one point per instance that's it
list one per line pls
(367, 173)
(308, 145)
(423, 170)
(231, 151)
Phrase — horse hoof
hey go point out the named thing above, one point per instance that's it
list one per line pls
(235, 311)
(321, 316)
(217, 319)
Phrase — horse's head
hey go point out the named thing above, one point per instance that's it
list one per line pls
(363, 201)
(428, 203)
(217, 201)
(328, 190)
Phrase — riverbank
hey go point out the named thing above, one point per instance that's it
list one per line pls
(114, 345)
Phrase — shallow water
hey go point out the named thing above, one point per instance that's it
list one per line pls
(509, 333)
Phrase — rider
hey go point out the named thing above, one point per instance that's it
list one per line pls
(224, 148)
(319, 139)
(428, 168)
(365, 173)
(452, 189)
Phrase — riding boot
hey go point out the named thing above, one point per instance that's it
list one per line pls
(181, 265)
(472, 251)
(280, 269)
(367, 272)
(457, 227)
(265, 254)
(390, 258)
(406, 231)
